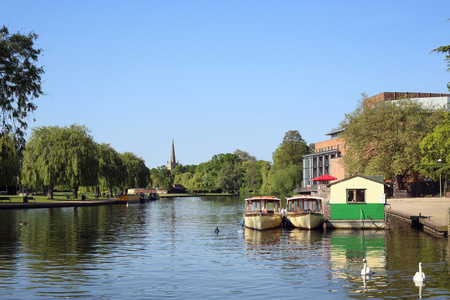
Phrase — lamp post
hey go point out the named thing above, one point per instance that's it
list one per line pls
(440, 181)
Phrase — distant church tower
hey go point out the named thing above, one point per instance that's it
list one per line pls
(172, 163)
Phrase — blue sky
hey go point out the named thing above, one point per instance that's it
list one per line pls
(217, 76)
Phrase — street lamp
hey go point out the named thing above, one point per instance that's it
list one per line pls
(440, 181)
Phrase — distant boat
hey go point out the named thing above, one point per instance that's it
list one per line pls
(304, 211)
(262, 212)
(144, 197)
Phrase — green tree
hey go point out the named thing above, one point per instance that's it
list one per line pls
(434, 147)
(79, 150)
(61, 155)
(110, 173)
(162, 178)
(229, 176)
(20, 81)
(244, 156)
(250, 171)
(384, 139)
(9, 160)
(284, 181)
(136, 172)
(290, 151)
(265, 169)
(42, 164)
(212, 167)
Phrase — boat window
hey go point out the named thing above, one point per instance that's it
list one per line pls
(277, 208)
(300, 205)
(306, 205)
(314, 206)
(258, 206)
(270, 206)
(296, 205)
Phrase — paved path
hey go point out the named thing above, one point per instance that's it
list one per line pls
(434, 208)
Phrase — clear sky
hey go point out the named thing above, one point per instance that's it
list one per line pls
(217, 76)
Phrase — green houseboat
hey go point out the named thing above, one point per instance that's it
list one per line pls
(357, 202)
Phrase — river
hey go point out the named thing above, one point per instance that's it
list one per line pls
(168, 249)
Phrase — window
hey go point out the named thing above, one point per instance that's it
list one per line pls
(356, 196)
(270, 206)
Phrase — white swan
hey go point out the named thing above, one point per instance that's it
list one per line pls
(420, 276)
(366, 270)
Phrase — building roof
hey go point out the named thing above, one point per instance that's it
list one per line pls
(375, 178)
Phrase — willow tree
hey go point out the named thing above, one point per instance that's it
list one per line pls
(42, 164)
(384, 139)
(136, 173)
(62, 156)
(20, 81)
(79, 150)
(110, 173)
(9, 160)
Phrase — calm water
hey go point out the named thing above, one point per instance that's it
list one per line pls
(168, 249)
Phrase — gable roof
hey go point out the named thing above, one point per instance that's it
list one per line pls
(375, 178)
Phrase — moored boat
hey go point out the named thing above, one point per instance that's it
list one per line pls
(304, 211)
(262, 212)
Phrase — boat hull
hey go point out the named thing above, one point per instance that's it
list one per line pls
(306, 220)
(262, 221)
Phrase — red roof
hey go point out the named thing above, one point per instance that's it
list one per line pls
(325, 177)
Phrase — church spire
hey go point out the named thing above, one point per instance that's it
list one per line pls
(172, 163)
(172, 155)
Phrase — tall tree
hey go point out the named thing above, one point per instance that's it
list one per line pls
(20, 81)
(136, 172)
(110, 168)
(77, 146)
(42, 164)
(290, 151)
(384, 139)
(9, 160)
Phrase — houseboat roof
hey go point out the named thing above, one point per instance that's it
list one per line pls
(375, 178)
(263, 198)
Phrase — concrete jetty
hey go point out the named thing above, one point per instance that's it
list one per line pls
(431, 214)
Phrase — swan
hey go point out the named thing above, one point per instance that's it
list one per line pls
(217, 230)
(366, 270)
(420, 276)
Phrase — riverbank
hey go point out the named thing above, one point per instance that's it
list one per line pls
(41, 203)
(68, 203)
(429, 214)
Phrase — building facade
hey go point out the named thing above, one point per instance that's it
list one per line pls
(325, 160)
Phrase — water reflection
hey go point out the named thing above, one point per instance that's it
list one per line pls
(169, 249)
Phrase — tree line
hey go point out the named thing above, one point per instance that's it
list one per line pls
(241, 171)
(69, 157)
